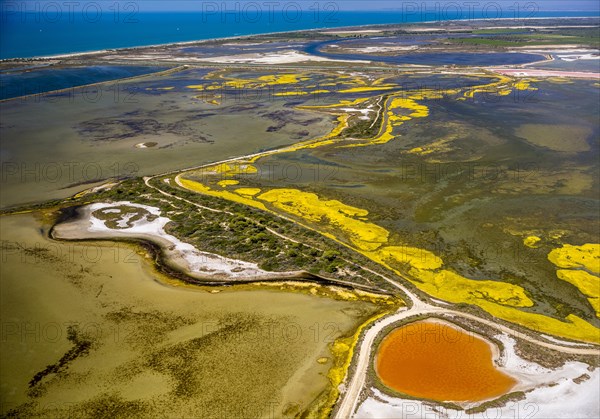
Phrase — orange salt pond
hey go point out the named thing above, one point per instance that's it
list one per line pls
(434, 360)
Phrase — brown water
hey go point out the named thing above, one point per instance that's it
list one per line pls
(436, 361)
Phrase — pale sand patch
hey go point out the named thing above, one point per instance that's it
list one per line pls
(146, 144)
(280, 57)
(577, 57)
(369, 50)
(519, 72)
(181, 255)
(567, 138)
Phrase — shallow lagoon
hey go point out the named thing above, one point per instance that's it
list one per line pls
(438, 361)
(21, 83)
(156, 346)
(472, 180)
(441, 58)
(80, 138)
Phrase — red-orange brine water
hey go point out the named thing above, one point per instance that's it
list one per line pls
(436, 361)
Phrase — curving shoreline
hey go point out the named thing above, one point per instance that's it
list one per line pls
(75, 225)
(325, 29)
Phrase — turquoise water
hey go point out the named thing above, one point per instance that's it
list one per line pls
(54, 31)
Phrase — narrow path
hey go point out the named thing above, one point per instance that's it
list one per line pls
(349, 398)
(348, 401)
(371, 288)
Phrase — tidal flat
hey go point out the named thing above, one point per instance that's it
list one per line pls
(473, 180)
(443, 188)
(83, 137)
(91, 329)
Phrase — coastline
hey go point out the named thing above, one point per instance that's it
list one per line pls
(228, 38)
(178, 259)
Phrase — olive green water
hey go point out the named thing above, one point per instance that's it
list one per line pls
(148, 347)
(79, 138)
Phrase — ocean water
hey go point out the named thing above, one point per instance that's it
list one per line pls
(51, 28)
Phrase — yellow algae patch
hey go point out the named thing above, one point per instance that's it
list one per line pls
(310, 207)
(532, 241)
(415, 257)
(342, 351)
(199, 187)
(342, 123)
(420, 111)
(455, 288)
(500, 84)
(225, 183)
(247, 191)
(345, 294)
(258, 82)
(377, 298)
(573, 327)
(586, 256)
(159, 88)
(525, 84)
(595, 303)
(588, 284)
(500, 299)
(367, 89)
(294, 196)
(282, 79)
(291, 93)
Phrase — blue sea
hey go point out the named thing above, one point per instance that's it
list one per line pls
(51, 28)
